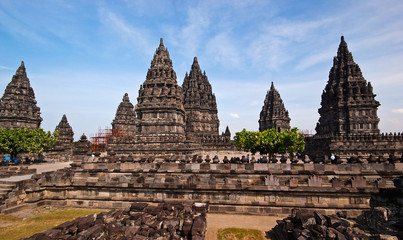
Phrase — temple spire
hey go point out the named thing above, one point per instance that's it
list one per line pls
(273, 114)
(199, 102)
(348, 104)
(18, 107)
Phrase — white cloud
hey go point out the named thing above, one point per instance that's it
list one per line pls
(221, 50)
(274, 45)
(234, 115)
(5, 68)
(399, 110)
(131, 35)
(315, 59)
(255, 103)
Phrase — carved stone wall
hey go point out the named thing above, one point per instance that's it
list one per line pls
(262, 189)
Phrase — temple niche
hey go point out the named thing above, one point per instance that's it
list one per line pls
(18, 105)
(167, 119)
(273, 114)
(348, 122)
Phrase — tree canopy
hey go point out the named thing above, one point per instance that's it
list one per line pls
(270, 141)
(15, 141)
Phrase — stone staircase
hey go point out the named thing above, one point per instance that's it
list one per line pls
(5, 188)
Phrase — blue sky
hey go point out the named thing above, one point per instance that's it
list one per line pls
(82, 56)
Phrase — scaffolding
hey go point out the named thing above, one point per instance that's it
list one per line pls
(99, 141)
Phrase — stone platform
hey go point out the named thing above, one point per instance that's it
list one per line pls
(261, 189)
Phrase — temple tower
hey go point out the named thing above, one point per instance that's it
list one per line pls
(18, 105)
(199, 103)
(273, 114)
(348, 104)
(125, 118)
(66, 135)
(159, 104)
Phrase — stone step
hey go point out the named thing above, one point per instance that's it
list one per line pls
(5, 189)
(7, 186)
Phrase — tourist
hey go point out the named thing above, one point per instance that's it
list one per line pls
(7, 158)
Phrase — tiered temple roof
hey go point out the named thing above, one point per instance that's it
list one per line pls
(18, 105)
(159, 104)
(199, 102)
(125, 118)
(348, 123)
(348, 104)
(273, 114)
(66, 135)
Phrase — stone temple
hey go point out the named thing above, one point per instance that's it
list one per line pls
(273, 114)
(199, 103)
(18, 107)
(348, 123)
(168, 119)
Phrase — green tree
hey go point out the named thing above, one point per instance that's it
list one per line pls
(18, 140)
(248, 141)
(270, 142)
(291, 142)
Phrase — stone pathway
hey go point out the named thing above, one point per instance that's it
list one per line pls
(217, 221)
(40, 168)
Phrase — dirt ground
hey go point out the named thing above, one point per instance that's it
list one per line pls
(217, 221)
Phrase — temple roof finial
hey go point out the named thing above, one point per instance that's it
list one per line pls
(126, 98)
(161, 42)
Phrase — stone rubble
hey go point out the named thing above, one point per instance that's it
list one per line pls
(173, 220)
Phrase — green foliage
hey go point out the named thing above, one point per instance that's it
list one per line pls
(28, 141)
(239, 233)
(248, 141)
(270, 141)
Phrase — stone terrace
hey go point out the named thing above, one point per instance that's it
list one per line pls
(262, 189)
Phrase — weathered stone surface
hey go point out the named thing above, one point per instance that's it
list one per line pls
(125, 118)
(167, 119)
(18, 107)
(199, 102)
(66, 135)
(63, 148)
(149, 222)
(273, 114)
(82, 147)
(386, 214)
(348, 123)
(305, 224)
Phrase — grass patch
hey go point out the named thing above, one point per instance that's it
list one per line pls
(239, 234)
(22, 228)
(8, 218)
